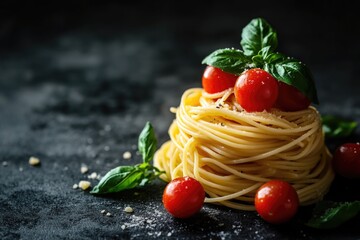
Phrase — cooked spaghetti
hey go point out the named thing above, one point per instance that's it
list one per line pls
(232, 152)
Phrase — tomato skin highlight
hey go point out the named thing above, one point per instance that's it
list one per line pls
(276, 201)
(215, 80)
(346, 160)
(256, 90)
(291, 99)
(183, 197)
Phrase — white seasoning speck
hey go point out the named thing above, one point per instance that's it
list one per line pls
(128, 209)
(84, 169)
(4, 163)
(92, 175)
(123, 227)
(108, 214)
(84, 185)
(75, 186)
(127, 155)
(34, 161)
(169, 234)
(103, 211)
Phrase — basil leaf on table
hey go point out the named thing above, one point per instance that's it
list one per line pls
(329, 214)
(128, 177)
(294, 73)
(257, 35)
(337, 127)
(147, 142)
(229, 60)
(118, 179)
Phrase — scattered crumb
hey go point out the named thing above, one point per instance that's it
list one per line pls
(128, 209)
(4, 163)
(92, 175)
(103, 211)
(98, 177)
(169, 234)
(75, 186)
(123, 227)
(33, 161)
(108, 214)
(84, 169)
(127, 155)
(84, 185)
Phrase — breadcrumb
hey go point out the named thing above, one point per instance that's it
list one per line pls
(84, 185)
(75, 186)
(34, 161)
(128, 209)
(84, 169)
(92, 175)
(127, 155)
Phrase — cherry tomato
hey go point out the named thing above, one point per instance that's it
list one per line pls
(276, 201)
(183, 197)
(215, 80)
(256, 90)
(346, 160)
(291, 99)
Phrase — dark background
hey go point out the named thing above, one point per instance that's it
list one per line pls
(78, 81)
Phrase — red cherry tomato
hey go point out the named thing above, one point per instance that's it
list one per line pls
(291, 99)
(276, 201)
(346, 160)
(256, 90)
(214, 80)
(183, 197)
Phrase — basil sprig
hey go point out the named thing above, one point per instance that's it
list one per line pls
(328, 214)
(337, 127)
(259, 42)
(127, 177)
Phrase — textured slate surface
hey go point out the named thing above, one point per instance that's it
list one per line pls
(79, 81)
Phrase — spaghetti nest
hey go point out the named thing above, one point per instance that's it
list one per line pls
(232, 152)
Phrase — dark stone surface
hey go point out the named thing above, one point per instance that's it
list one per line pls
(78, 81)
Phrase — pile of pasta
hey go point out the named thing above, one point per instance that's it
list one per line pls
(232, 152)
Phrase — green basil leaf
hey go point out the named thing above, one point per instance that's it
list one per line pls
(271, 57)
(147, 143)
(257, 35)
(294, 73)
(328, 214)
(229, 60)
(150, 174)
(337, 127)
(113, 178)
